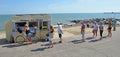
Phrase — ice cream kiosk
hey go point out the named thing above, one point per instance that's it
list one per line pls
(15, 26)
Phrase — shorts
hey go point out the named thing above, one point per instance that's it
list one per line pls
(29, 35)
(109, 28)
(101, 32)
(94, 31)
(49, 38)
(83, 35)
(60, 35)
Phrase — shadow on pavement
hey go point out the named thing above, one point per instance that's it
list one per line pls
(76, 41)
(89, 38)
(39, 49)
(94, 40)
(14, 45)
(54, 43)
(105, 36)
(46, 47)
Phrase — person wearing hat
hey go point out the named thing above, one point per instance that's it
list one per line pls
(60, 32)
(28, 33)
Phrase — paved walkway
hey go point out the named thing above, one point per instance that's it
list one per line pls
(71, 47)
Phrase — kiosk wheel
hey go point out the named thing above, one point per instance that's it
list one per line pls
(20, 39)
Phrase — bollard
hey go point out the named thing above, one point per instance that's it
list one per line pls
(114, 25)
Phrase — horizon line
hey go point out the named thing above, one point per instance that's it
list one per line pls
(48, 13)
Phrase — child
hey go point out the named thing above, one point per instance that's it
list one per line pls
(49, 36)
(83, 32)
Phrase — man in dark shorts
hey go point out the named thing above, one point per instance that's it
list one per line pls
(60, 32)
(101, 28)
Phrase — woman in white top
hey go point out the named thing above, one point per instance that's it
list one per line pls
(95, 29)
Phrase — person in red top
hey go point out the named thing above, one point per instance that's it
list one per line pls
(95, 29)
(83, 31)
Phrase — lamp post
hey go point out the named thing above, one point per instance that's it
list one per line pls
(114, 25)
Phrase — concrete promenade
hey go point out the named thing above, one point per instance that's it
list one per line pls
(71, 47)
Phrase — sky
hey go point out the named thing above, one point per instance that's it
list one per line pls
(58, 6)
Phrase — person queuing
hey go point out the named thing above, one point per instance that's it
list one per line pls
(60, 32)
(50, 37)
(101, 28)
(109, 28)
(83, 31)
(95, 29)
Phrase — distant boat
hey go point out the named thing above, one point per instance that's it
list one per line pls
(111, 12)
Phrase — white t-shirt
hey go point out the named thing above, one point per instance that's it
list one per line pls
(95, 27)
(59, 29)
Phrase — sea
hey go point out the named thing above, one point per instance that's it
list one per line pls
(64, 18)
